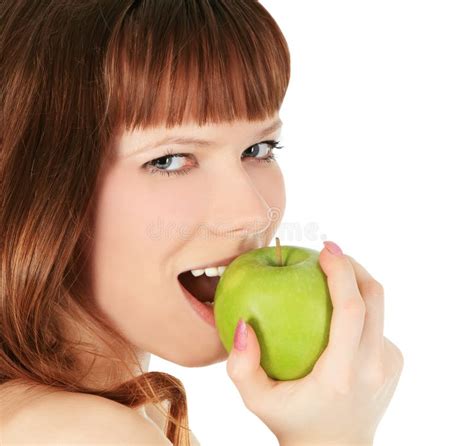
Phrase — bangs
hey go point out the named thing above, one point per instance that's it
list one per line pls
(171, 62)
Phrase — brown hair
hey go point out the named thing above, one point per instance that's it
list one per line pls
(74, 74)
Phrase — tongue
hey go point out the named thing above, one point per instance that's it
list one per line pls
(202, 287)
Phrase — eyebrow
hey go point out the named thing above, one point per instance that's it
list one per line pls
(179, 140)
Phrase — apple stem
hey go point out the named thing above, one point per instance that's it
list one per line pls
(278, 251)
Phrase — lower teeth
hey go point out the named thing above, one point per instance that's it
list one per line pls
(209, 304)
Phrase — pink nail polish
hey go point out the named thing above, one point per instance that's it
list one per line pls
(240, 336)
(333, 248)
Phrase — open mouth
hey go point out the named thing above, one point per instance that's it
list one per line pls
(203, 288)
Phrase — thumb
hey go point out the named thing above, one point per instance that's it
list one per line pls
(243, 366)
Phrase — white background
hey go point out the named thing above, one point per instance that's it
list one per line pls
(378, 135)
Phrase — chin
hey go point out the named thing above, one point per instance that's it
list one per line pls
(202, 359)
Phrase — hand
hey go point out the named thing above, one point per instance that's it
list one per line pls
(342, 400)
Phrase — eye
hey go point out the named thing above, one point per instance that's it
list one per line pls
(262, 151)
(169, 164)
(173, 163)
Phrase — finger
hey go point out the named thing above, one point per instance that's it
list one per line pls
(372, 339)
(243, 367)
(347, 319)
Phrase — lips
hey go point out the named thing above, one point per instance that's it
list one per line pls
(205, 311)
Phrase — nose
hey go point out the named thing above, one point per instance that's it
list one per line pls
(237, 207)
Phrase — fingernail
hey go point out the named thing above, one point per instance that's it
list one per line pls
(333, 248)
(240, 336)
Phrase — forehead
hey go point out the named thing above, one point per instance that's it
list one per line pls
(139, 140)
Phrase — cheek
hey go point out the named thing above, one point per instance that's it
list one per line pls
(175, 207)
(131, 247)
(122, 213)
(136, 210)
(141, 220)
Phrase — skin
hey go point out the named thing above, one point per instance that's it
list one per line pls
(150, 227)
(136, 257)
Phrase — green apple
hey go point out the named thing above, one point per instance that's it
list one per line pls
(282, 292)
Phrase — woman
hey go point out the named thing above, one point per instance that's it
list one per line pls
(128, 128)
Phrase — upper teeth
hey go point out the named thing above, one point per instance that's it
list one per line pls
(210, 272)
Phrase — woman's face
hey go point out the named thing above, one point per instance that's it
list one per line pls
(149, 227)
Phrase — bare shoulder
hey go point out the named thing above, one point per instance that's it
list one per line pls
(80, 418)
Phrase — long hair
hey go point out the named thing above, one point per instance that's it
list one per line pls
(74, 74)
